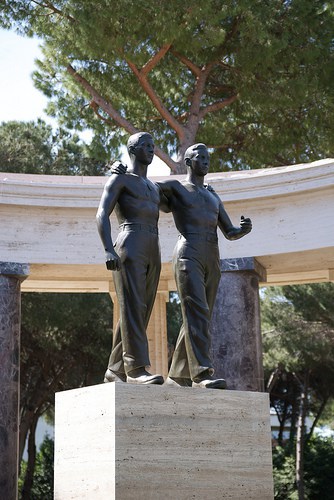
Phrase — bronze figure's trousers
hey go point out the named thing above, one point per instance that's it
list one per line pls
(197, 275)
(136, 284)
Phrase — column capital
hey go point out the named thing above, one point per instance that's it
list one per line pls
(245, 264)
(14, 270)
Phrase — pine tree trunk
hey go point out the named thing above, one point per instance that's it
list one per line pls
(25, 425)
(282, 426)
(29, 477)
(301, 439)
(317, 418)
(188, 141)
(294, 413)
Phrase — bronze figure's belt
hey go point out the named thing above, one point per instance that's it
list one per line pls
(135, 226)
(200, 237)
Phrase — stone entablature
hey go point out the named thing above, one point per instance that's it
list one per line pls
(49, 221)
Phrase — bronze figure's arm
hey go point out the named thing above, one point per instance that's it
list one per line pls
(231, 232)
(108, 201)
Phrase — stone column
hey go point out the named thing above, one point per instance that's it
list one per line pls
(235, 325)
(156, 332)
(11, 276)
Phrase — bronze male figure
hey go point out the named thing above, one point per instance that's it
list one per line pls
(197, 212)
(135, 260)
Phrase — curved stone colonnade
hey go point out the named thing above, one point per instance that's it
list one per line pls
(48, 222)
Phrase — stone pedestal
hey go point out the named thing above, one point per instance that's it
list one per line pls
(11, 275)
(235, 325)
(125, 442)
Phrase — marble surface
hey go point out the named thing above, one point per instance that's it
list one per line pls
(236, 343)
(11, 274)
(14, 269)
(243, 264)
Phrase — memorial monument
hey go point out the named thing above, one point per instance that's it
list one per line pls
(136, 437)
(197, 212)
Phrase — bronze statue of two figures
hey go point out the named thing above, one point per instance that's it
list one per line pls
(135, 260)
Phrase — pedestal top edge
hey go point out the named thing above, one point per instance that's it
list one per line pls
(143, 391)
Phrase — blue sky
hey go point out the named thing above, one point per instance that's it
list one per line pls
(19, 100)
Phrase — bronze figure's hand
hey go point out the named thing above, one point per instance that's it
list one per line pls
(113, 262)
(118, 168)
(245, 224)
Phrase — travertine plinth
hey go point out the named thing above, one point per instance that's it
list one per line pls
(153, 442)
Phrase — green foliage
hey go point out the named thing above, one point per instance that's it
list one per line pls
(34, 148)
(299, 335)
(319, 466)
(274, 60)
(65, 340)
(43, 475)
(327, 417)
(284, 475)
(314, 302)
(22, 473)
(298, 342)
(65, 343)
(42, 488)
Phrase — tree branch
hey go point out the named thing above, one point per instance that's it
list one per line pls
(211, 108)
(190, 65)
(95, 108)
(101, 102)
(227, 67)
(273, 379)
(115, 115)
(232, 32)
(155, 59)
(49, 5)
(165, 158)
(201, 79)
(150, 92)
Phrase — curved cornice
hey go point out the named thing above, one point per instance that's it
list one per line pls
(78, 191)
(49, 221)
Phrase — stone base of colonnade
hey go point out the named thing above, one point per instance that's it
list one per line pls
(125, 442)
